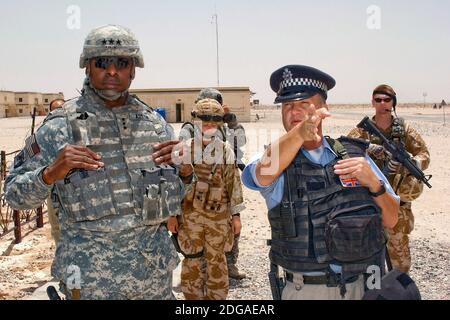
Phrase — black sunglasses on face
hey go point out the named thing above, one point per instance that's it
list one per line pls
(379, 100)
(105, 62)
(210, 118)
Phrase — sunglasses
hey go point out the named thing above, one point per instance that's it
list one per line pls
(210, 118)
(105, 62)
(379, 100)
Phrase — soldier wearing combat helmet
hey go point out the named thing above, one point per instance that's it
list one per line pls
(204, 230)
(106, 156)
(384, 100)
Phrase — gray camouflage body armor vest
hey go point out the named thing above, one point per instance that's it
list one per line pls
(320, 222)
(130, 191)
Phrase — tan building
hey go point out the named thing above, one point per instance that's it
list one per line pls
(49, 97)
(2, 111)
(21, 104)
(26, 101)
(179, 102)
(7, 103)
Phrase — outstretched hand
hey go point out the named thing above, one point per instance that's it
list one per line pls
(308, 128)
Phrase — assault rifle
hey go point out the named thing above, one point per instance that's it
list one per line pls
(397, 150)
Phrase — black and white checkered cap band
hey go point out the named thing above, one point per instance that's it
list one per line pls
(303, 82)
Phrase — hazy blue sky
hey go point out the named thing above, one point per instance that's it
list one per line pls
(411, 51)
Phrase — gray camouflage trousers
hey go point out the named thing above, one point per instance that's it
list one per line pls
(128, 265)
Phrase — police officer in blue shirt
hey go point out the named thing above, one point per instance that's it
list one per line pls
(327, 200)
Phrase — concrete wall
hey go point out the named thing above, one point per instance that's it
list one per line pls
(21, 104)
(28, 98)
(238, 99)
(49, 97)
(7, 98)
(2, 111)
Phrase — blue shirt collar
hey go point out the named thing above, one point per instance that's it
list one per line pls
(325, 145)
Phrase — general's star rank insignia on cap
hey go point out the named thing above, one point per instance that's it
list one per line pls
(31, 146)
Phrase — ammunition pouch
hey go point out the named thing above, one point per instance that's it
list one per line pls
(200, 195)
(214, 202)
(355, 234)
(161, 194)
(86, 195)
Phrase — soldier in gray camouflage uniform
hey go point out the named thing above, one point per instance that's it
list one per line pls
(107, 154)
(51, 210)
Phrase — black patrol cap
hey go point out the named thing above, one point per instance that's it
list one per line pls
(298, 82)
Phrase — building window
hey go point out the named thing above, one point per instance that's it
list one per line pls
(36, 101)
(20, 111)
(5, 98)
(20, 100)
(46, 110)
(46, 100)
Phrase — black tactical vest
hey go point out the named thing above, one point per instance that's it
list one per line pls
(319, 221)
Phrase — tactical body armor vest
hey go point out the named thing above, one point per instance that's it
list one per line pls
(320, 222)
(208, 191)
(130, 191)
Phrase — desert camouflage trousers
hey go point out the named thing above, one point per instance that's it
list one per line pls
(205, 277)
(398, 244)
(232, 256)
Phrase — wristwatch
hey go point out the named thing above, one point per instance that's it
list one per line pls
(379, 193)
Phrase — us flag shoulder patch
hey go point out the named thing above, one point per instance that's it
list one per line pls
(31, 146)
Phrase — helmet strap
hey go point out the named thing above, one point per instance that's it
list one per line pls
(109, 95)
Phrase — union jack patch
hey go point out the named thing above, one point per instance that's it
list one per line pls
(350, 183)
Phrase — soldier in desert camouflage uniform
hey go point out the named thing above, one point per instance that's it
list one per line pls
(234, 133)
(405, 185)
(204, 230)
(106, 153)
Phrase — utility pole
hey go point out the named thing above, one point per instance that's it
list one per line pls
(424, 98)
(215, 19)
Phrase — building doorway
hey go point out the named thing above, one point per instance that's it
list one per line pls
(179, 112)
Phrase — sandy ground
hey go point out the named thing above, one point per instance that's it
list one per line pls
(26, 266)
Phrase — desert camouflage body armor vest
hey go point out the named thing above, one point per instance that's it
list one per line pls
(208, 192)
(130, 191)
(319, 221)
(397, 134)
